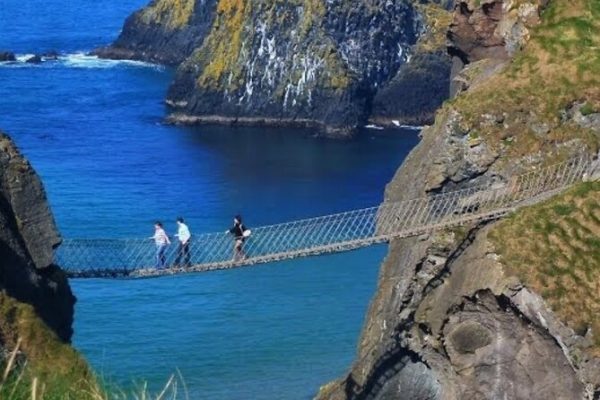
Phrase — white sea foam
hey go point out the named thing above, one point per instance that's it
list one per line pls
(397, 124)
(376, 127)
(23, 57)
(83, 60)
(76, 60)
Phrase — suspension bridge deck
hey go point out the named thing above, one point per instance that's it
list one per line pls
(134, 258)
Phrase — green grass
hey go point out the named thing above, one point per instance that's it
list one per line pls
(559, 66)
(39, 366)
(554, 248)
(587, 109)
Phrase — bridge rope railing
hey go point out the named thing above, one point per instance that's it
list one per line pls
(325, 234)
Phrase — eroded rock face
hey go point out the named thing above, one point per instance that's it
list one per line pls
(498, 354)
(28, 235)
(491, 28)
(415, 93)
(300, 62)
(164, 32)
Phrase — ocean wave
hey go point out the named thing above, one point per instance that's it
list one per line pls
(21, 58)
(76, 60)
(83, 60)
(397, 124)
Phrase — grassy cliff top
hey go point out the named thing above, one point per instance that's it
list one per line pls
(173, 14)
(554, 248)
(559, 66)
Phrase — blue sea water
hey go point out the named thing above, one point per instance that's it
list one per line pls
(93, 130)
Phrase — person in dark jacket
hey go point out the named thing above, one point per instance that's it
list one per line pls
(237, 231)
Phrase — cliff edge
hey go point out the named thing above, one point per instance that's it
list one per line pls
(503, 309)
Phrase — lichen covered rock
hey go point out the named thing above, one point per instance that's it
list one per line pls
(302, 62)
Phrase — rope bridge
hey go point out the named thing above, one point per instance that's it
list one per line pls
(134, 258)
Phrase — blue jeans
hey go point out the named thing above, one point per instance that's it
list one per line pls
(160, 255)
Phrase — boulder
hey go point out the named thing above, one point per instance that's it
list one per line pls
(51, 55)
(36, 59)
(7, 56)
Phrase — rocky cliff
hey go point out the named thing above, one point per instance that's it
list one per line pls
(330, 64)
(36, 303)
(506, 309)
(164, 32)
(28, 236)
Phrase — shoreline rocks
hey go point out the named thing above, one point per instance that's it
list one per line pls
(7, 56)
(36, 59)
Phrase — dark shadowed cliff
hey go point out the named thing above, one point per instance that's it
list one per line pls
(28, 235)
(36, 302)
(328, 64)
(505, 309)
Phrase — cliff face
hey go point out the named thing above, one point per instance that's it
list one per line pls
(27, 237)
(455, 315)
(164, 32)
(302, 62)
(297, 61)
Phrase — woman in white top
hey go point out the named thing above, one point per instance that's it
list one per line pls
(162, 241)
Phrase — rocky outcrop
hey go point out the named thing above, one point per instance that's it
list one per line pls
(164, 32)
(28, 235)
(489, 30)
(311, 62)
(449, 320)
(36, 59)
(303, 63)
(7, 56)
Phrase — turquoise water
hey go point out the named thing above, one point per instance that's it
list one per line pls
(93, 130)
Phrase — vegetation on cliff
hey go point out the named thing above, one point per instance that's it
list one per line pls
(554, 248)
(172, 14)
(437, 20)
(528, 108)
(37, 365)
(39, 358)
(228, 51)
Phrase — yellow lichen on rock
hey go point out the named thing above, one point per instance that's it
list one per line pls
(222, 48)
(438, 20)
(173, 14)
